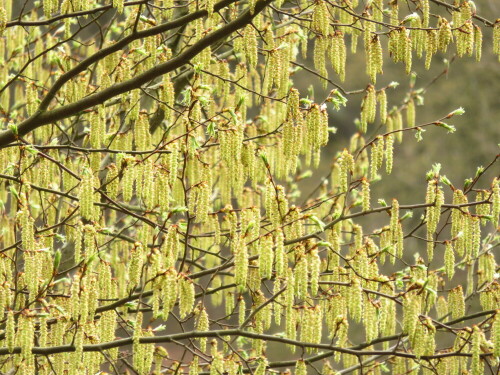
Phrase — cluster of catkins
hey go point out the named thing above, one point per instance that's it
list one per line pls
(147, 212)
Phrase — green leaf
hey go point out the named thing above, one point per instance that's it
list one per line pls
(250, 226)
(31, 150)
(318, 222)
(305, 102)
(337, 99)
(131, 304)
(467, 183)
(436, 168)
(263, 156)
(161, 327)
(194, 143)
(57, 260)
(13, 128)
(479, 171)
(14, 192)
(450, 128)
(233, 115)
(179, 209)
(418, 134)
(457, 112)
(324, 243)
(304, 175)
(445, 180)
(212, 129)
(407, 215)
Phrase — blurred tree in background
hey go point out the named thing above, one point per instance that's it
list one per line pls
(249, 187)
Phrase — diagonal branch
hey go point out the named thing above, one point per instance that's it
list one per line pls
(43, 117)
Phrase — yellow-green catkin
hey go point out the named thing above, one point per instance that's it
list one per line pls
(399, 365)
(241, 310)
(487, 267)
(407, 52)
(112, 181)
(346, 162)
(434, 196)
(240, 253)
(459, 222)
(136, 263)
(449, 260)
(301, 277)
(320, 19)
(477, 340)
(389, 153)
(300, 368)
(280, 254)
(203, 326)
(142, 135)
(314, 263)
(465, 39)
(250, 45)
(495, 334)
(119, 5)
(365, 194)
(138, 348)
(495, 201)
(431, 46)
(171, 246)
(26, 222)
(3, 20)
(10, 331)
(31, 98)
(370, 320)
(368, 108)
(400, 46)
(411, 310)
(496, 38)
(377, 156)
(456, 302)
(445, 36)
(441, 307)
(266, 256)
(337, 53)
(382, 105)
(387, 315)
(482, 209)
(398, 241)
(374, 64)
(478, 42)
(394, 13)
(424, 338)
(50, 7)
(355, 300)
(317, 130)
(186, 296)
(87, 195)
(97, 128)
(410, 113)
(26, 332)
(425, 13)
(394, 218)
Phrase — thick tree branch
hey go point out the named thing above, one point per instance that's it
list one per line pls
(356, 350)
(43, 117)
